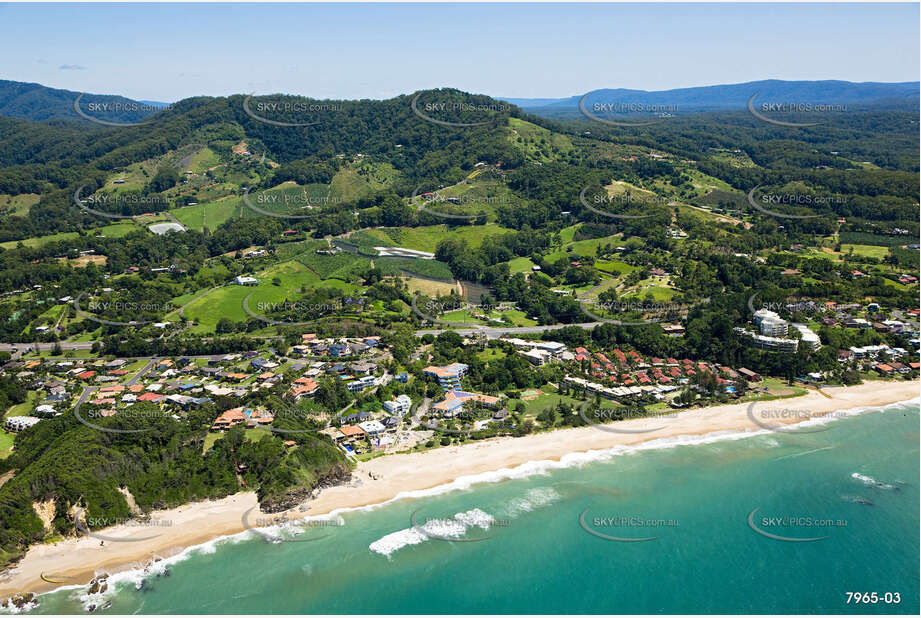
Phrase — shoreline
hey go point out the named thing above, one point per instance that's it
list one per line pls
(74, 562)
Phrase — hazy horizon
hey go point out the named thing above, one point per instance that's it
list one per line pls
(356, 51)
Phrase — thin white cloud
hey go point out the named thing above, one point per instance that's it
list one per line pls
(71, 67)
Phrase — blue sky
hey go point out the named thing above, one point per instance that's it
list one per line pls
(167, 52)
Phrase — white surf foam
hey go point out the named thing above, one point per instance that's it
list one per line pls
(531, 468)
(432, 528)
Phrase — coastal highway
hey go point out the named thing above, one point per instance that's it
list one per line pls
(79, 345)
(495, 333)
(491, 333)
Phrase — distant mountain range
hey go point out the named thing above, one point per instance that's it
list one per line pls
(39, 103)
(736, 96)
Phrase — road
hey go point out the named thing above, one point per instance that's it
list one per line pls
(495, 333)
(140, 374)
(19, 348)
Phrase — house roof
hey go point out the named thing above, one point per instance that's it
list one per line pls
(352, 430)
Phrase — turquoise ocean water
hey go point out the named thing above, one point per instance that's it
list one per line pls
(520, 546)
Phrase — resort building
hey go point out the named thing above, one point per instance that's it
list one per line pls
(454, 402)
(537, 357)
(809, 338)
(449, 376)
(764, 342)
(770, 323)
(553, 348)
(749, 375)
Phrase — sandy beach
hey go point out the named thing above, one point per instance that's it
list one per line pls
(75, 561)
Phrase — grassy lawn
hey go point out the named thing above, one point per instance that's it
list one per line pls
(24, 408)
(210, 215)
(513, 316)
(210, 439)
(613, 266)
(895, 284)
(429, 288)
(581, 248)
(427, 238)
(18, 204)
(256, 434)
(568, 233)
(39, 241)
(202, 160)
(537, 142)
(648, 286)
(65, 355)
(543, 401)
(490, 354)
(6, 443)
(865, 250)
(520, 265)
(118, 230)
(227, 301)
(349, 185)
(20, 409)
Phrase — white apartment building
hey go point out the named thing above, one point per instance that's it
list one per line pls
(400, 405)
(809, 338)
(770, 323)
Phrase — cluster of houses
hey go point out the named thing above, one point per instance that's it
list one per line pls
(377, 429)
(178, 385)
(311, 345)
(627, 375)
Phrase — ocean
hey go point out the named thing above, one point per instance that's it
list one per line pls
(786, 523)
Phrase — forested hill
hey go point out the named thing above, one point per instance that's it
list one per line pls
(39, 103)
(308, 128)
